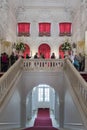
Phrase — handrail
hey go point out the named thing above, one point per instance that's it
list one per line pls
(79, 86)
(9, 78)
(43, 64)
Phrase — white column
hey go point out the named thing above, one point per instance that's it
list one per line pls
(86, 51)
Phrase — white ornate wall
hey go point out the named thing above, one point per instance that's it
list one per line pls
(55, 12)
(79, 22)
(35, 16)
(8, 23)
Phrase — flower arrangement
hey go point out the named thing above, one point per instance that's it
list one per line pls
(66, 46)
(20, 47)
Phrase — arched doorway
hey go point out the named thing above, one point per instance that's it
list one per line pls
(42, 96)
(45, 50)
(27, 51)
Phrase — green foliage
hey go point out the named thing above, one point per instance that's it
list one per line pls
(66, 46)
(20, 47)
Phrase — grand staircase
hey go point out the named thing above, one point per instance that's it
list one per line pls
(78, 85)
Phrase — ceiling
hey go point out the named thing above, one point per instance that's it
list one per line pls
(66, 5)
(50, 3)
(72, 4)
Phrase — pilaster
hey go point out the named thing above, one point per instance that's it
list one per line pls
(61, 110)
(23, 109)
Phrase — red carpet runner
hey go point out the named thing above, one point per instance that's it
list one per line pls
(43, 118)
(43, 112)
(43, 121)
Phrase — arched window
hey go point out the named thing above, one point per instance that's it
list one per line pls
(43, 93)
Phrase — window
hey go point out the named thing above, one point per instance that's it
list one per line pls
(46, 98)
(23, 29)
(43, 93)
(44, 29)
(40, 94)
(65, 29)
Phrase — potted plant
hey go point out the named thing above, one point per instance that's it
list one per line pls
(66, 46)
(20, 47)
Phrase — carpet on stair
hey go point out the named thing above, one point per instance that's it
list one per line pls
(43, 122)
(43, 112)
(41, 128)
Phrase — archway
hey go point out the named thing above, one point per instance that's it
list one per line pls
(27, 51)
(43, 96)
(45, 50)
